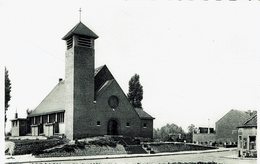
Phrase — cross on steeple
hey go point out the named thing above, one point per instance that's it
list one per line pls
(79, 14)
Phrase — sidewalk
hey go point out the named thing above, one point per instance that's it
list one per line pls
(29, 158)
(236, 157)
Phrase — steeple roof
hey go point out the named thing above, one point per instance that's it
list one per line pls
(80, 29)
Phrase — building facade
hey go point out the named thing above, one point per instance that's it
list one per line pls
(89, 102)
(247, 138)
(204, 135)
(226, 127)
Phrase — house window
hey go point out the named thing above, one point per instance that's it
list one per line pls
(31, 121)
(127, 124)
(52, 118)
(252, 143)
(60, 117)
(98, 123)
(38, 120)
(145, 125)
(44, 119)
(14, 123)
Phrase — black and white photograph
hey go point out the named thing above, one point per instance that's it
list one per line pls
(128, 81)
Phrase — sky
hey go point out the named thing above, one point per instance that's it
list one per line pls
(196, 60)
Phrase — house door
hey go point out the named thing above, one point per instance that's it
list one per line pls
(112, 127)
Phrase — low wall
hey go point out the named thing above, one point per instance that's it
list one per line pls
(176, 146)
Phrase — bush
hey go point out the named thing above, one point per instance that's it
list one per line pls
(37, 152)
(69, 148)
(81, 145)
(34, 146)
(104, 142)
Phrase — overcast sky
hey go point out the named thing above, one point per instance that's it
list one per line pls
(196, 60)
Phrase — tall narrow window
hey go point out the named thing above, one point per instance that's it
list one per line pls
(37, 119)
(252, 142)
(52, 118)
(60, 117)
(98, 123)
(44, 119)
(31, 120)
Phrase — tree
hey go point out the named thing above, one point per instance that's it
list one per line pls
(135, 94)
(169, 132)
(7, 91)
(189, 135)
(191, 128)
(28, 111)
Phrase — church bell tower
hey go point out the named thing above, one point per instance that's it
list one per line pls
(79, 79)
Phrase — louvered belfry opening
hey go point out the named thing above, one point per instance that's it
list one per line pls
(81, 41)
(69, 42)
(84, 41)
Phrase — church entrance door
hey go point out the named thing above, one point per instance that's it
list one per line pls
(112, 127)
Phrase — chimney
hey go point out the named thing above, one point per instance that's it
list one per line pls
(16, 115)
(60, 79)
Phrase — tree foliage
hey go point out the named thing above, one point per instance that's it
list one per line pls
(189, 135)
(7, 91)
(168, 132)
(135, 94)
(28, 111)
(191, 128)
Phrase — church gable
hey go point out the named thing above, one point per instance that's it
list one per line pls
(112, 88)
(112, 104)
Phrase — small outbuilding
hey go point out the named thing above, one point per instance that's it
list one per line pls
(247, 138)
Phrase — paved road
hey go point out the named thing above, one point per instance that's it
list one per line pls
(219, 157)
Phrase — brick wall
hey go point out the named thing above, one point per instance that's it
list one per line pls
(203, 137)
(123, 114)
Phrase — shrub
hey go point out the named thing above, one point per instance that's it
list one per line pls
(69, 148)
(34, 146)
(104, 142)
(81, 145)
(37, 152)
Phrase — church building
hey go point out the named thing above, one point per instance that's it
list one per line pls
(88, 102)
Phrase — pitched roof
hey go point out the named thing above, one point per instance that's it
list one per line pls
(80, 29)
(98, 69)
(235, 115)
(142, 114)
(54, 102)
(104, 86)
(251, 122)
